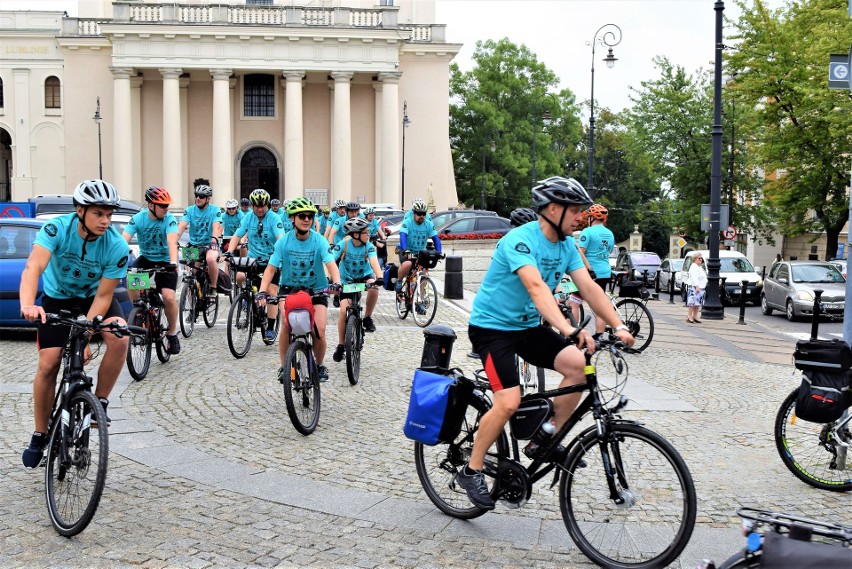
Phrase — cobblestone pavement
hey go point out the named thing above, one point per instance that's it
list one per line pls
(228, 482)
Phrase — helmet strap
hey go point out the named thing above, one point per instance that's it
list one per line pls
(556, 227)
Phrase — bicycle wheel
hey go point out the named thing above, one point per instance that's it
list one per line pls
(302, 391)
(264, 326)
(425, 302)
(638, 319)
(437, 467)
(402, 306)
(352, 342)
(809, 450)
(211, 306)
(187, 309)
(139, 350)
(240, 326)
(73, 489)
(160, 341)
(653, 524)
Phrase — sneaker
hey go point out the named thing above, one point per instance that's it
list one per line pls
(336, 301)
(398, 286)
(174, 344)
(32, 455)
(338, 353)
(369, 326)
(420, 307)
(212, 294)
(477, 490)
(104, 403)
(269, 335)
(322, 373)
(282, 375)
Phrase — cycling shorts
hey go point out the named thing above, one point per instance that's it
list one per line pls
(162, 280)
(55, 336)
(497, 349)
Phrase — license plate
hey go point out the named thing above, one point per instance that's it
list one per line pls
(833, 305)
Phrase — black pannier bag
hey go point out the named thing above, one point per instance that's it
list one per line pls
(633, 289)
(782, 552)
(428, 258)
(823, 396)
(823, 355)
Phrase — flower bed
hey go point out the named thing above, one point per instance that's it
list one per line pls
(467, 236)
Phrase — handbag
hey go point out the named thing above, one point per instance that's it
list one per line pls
(436, 408)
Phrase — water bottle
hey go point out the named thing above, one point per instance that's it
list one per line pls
(539, 438)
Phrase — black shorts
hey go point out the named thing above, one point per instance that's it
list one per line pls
(603, 283)
(403, 257)
(497, 350)
(53, 336)
(161, 280)
(348, 296)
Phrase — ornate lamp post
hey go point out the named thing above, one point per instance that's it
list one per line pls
(97, 119)
(546, 119)
(405, 123)
(609, 39)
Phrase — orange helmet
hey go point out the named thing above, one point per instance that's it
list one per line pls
(597, 211)
(158, 195)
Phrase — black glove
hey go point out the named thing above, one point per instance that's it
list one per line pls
(379, 282)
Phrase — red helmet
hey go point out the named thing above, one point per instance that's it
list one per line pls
(597, 211)
(158, 195)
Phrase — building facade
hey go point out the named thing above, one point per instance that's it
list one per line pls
(298, 100)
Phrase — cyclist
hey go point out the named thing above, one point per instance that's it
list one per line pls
(322, 219)
(285, 219)
(413, 236)
(338, 210)
(377, 236)
(205, 228)
(275, 206)
(522, 215)
(231, 219)
(356, 257)
(336, 233)
(516, 292)
(596, 243)
(157, 230)
(301, 255)
(245, 204)
(263, 228)
(409, 215)
(82, 258)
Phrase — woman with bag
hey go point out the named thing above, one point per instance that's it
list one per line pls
(695, 293)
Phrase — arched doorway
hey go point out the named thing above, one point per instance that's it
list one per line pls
(5, 166)
(258, 169)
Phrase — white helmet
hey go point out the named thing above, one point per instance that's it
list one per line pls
(96, 192)
(230, 204)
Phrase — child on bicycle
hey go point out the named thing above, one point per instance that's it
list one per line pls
(205, 228)
(413, 237)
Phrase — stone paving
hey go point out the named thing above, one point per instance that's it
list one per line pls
(206, 470)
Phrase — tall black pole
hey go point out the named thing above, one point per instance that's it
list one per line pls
(405, 123)
(97, 119)
(608, 39)
(712, 304)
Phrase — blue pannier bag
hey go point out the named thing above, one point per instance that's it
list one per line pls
(435, 408)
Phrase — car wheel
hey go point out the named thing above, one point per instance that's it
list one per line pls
(765, 309)
(791, 315)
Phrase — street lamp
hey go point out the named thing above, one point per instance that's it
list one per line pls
(610, 40)
(97, 119)
(405, 123)
(493, 147)
(546, 119)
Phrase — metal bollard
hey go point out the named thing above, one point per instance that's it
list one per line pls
(453, 280)
(723, 291)
(743, 302)
(645, 277)
(671, 287)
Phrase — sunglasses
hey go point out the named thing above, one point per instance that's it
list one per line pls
(304, 216)
(420, 214)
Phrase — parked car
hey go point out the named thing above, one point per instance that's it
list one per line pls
(735, 268)
(790, 286)
(442, 217)
(664, 275)
(479, 225)
(840, 264)
(390, 224)
(635, 263)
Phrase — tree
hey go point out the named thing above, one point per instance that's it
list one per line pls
(800, 128)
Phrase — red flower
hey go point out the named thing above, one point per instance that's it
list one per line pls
(468, 236)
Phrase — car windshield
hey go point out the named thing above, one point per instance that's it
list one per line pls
(735, 265)
(645, 259)
(677, 264)
(816, 274)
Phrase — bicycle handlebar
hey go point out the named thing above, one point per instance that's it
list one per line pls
(97, 325)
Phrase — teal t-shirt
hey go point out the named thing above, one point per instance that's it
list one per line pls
(323, 224)
(598, 242)
(230, 223)
(201, 223)
(502, 301)
(301, 262)
(72, 274)
(356, 260)
(418, 233)
(374, 227)
(261, 238)
(152, 234)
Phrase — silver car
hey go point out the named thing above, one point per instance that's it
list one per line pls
(790, 286)
(669, 266)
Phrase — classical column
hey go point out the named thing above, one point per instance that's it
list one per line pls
(172, 162)
(122, 176)
(222, 178)
(391, 189)
(22, 182)
(184, 140)
(294, 139)
(341, 141)
(378, 194)
(136, 192)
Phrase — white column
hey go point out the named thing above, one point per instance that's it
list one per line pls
(294, 139)
(378, 195)
(172, 163)
(222, 178)
(185, 182)
(22, 182)
(341, 165)
(122, 177)
(137, 192)
(391, 189)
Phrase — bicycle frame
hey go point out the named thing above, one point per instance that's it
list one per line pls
(73, 379)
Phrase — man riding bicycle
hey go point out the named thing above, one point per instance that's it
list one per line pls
(205, 228)
(82, 258)
(377, 236)
(337, 212)
(596, 243)
(413, 237)
(337, 233)
(156, 229)
(263, 228)
(515, 294)
(231, 219)
(300, 255)
(356, 257)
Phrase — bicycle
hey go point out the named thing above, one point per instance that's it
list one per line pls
(76, 455)
(245, 316)
(148, 313)
(418, 288)
(788, 541)
(196, 297)
(354, 335)
(627, 497)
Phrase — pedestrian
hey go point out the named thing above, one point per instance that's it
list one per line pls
(779, 258)
(697, 282)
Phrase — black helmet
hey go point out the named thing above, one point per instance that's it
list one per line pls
(522, 215)
(566, 191)
(274, 202)
(353, 206)
(245, 202)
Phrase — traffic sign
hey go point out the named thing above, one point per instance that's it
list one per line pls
(681, 242)
(730, 233)
(838, 71)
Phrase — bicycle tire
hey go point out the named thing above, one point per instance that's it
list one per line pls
(74, 491)
(187, 309)
(211, 306)
(352, 342)
(302, 388)
(804, 448)
(264, 326)
(638, 319)
(403, 307)
(427, 296)
(163, 353)
(599, 527)
(240, 328)
(139, 349)
(438, 465)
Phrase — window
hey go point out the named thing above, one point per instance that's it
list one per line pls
(490, 224)
(52, 96)
(463, 225)
(259, 95)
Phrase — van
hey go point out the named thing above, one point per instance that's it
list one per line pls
(735, 268)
